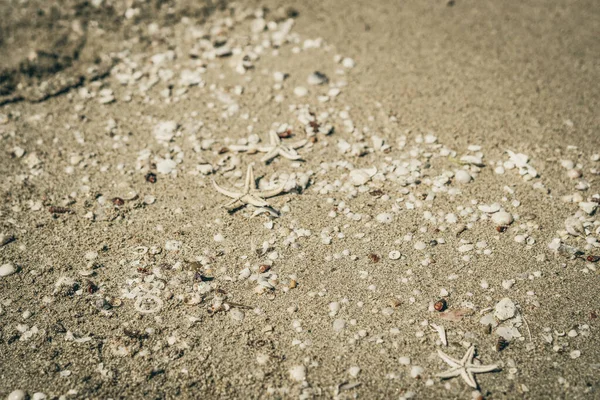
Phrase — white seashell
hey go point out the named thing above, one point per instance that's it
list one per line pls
(489, 208)
(317, 78)
(172, 245)
(589, 207)
(384, 218)
(502, 218)
(244, 274)
(441, 332)
(148, 304)
(140, 250)
(518, 159)
(416, 371)
(165, 166)
(473, 160)
(404, 360)
(7, 269)
(165, 131)
(505, 309)
(264, 283)
(462, 176)
(574, 226)
(237, 315)
(359, 177)
(298, 373)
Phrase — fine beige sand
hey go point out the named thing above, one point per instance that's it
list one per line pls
(445, 197)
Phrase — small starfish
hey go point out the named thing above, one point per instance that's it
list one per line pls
(464, 368)
(277, 148)
(250, 194)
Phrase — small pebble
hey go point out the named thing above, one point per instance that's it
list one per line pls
(300, 91)
(17, 395)
(463, 176)
(317, 78)
(416, 371)
(7, 269)
(298, 373)
(502, 218)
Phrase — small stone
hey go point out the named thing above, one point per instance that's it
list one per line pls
(102, 304)
(404, 360)
(574, 226)
(39, 396)
(7, 269)
(394, 255)
(223, 51)
(17, 395)
(505, 309)
(300, 91)
(339, 324)
(384, 218)
(279, 76)
(237, 315)
(165, 166)
(18, 152)
(258, 25)
(588, 207)
(348, 62)
(354, 371)
(317, 78)
(359, 177)
(149, 199)
(502, 218)
(574, 174)
(172, 245)
(164, 131)
(462, 176)
(416, 371)
(298, 373)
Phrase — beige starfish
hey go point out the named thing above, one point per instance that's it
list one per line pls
(464, 368)
(250, 194)
(277, 148)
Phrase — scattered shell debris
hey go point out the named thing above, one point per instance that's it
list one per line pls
(344, 227)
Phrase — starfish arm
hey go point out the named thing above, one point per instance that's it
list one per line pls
(270, 155)
(238, 147)
(469, 378)
(254, 200)
(451, 373)
(250, 181)
(289, 153)
(299, 144)
(449, 360)
(228, 193)
(271, 192)
(232, 202)
(261, 210)
(265, 149)
(274, 138)
(479, 369)
(468, 357)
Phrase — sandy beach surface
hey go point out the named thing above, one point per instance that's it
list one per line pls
(315, 199)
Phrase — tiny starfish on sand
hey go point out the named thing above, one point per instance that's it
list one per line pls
(250, 194)
(464, 368)
(277, 148)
